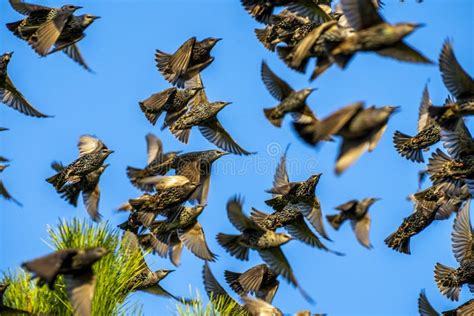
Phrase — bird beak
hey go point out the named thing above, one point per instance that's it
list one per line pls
(169, 271)
(418, 25)
(106, 165)
(227, 103)
(78, 7)
(111, 151)
(396, 109)
(218, 39)
(96, 17)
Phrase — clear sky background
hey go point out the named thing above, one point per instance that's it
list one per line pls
(120, 49)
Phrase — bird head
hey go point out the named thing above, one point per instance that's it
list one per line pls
(6, 57)
(283, 238)
(308, 91)
(70, 8)
(219, 105)
(391, 109)
(88, 19)
(407, 28)
(94, 254)
(216, 154)
(105, 152)
(211, 41)
(312, 182)
(369, 201)
(163, 273)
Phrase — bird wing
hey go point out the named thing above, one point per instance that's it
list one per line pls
(277, 261)
(310, 9)
(214, 290)
(315, 217)
(150, 243)
(89, 144)
(195, 240)
(277, 87)
(91, 201)
(157, 289)
(14, 99)
(175, 249)
(349, 152)
(462, 236)
(424, 119)
(375, 138)
(300, 230)
(48, 33)
(333, 123)
(190, 170)
(216, 134)
(47, 267)
(6, 194)
(26, 8)
(455, 78)
(179, 61)
(236, 215)
(346, 207)
(80, 291)
(361, 229)
(404, 52)
(167, 182)
(424, 306)
(361, 14)
(73, 52)
(458, 142)
(252, 279)
(154, 146)
(280, 179)
(201, 193)
(57, 166)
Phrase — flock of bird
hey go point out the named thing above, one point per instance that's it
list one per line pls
(160, 221)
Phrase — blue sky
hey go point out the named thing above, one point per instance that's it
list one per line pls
(120, 49)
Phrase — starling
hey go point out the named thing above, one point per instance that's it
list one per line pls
(426, 309)
(301, 195)
(3, 191)
(218, 295)
(260, 280)
(459, 83)
(155, 158)
(262, 10)
(372, 33)
(358, 213)
(72, 33)
(88, 185)
(196, 166)
(429, 133)
(203, 114)
(188, 229)
(171, 191)
(76, 267)
(291, 101)
(259, 307)
(360, 132)
(36, 16)
(147, 280)
(266, 242)
(188, 61)
(451, 280)
(92, 154)
(9, 95)
(173, 101)
(5, 310)
(424, 214)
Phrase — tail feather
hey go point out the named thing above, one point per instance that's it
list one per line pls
(322, 65)
(262, 37)
(437, 162)
(284, 52)
(137, 176)
(342, 60)
(13, 26)
(274, 116)
(232, 278)
(150, 116)
(335, 220)
(398, 243)
(447, 281)
(402, 144)
(232, 246)
(57, 180)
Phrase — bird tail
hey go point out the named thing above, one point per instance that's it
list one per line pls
(262, 37)
(335, 220)
(447, 281)
(13, 26)
(150, 116)
(342, 59)
(439, 113)
(437, 162)
(284, 52)
(163, 63)
(137, 176)
(57, 180)
(232, 246)
(322, 65)
(232, 278)
(261, 12)
(274, 116)
(402, 144)
(398, 243)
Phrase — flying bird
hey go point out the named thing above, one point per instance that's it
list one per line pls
(173, 101)
(291, 101)
(429, 133)
(188, 61)
(357, 212)
(88, 185)
(203, 114)
(3, 190)
(426, 309)
(92, 154)
(9, 95)
(76, 267)
(373, 33)
(260, 280)
(459, 83)
(450, 280)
